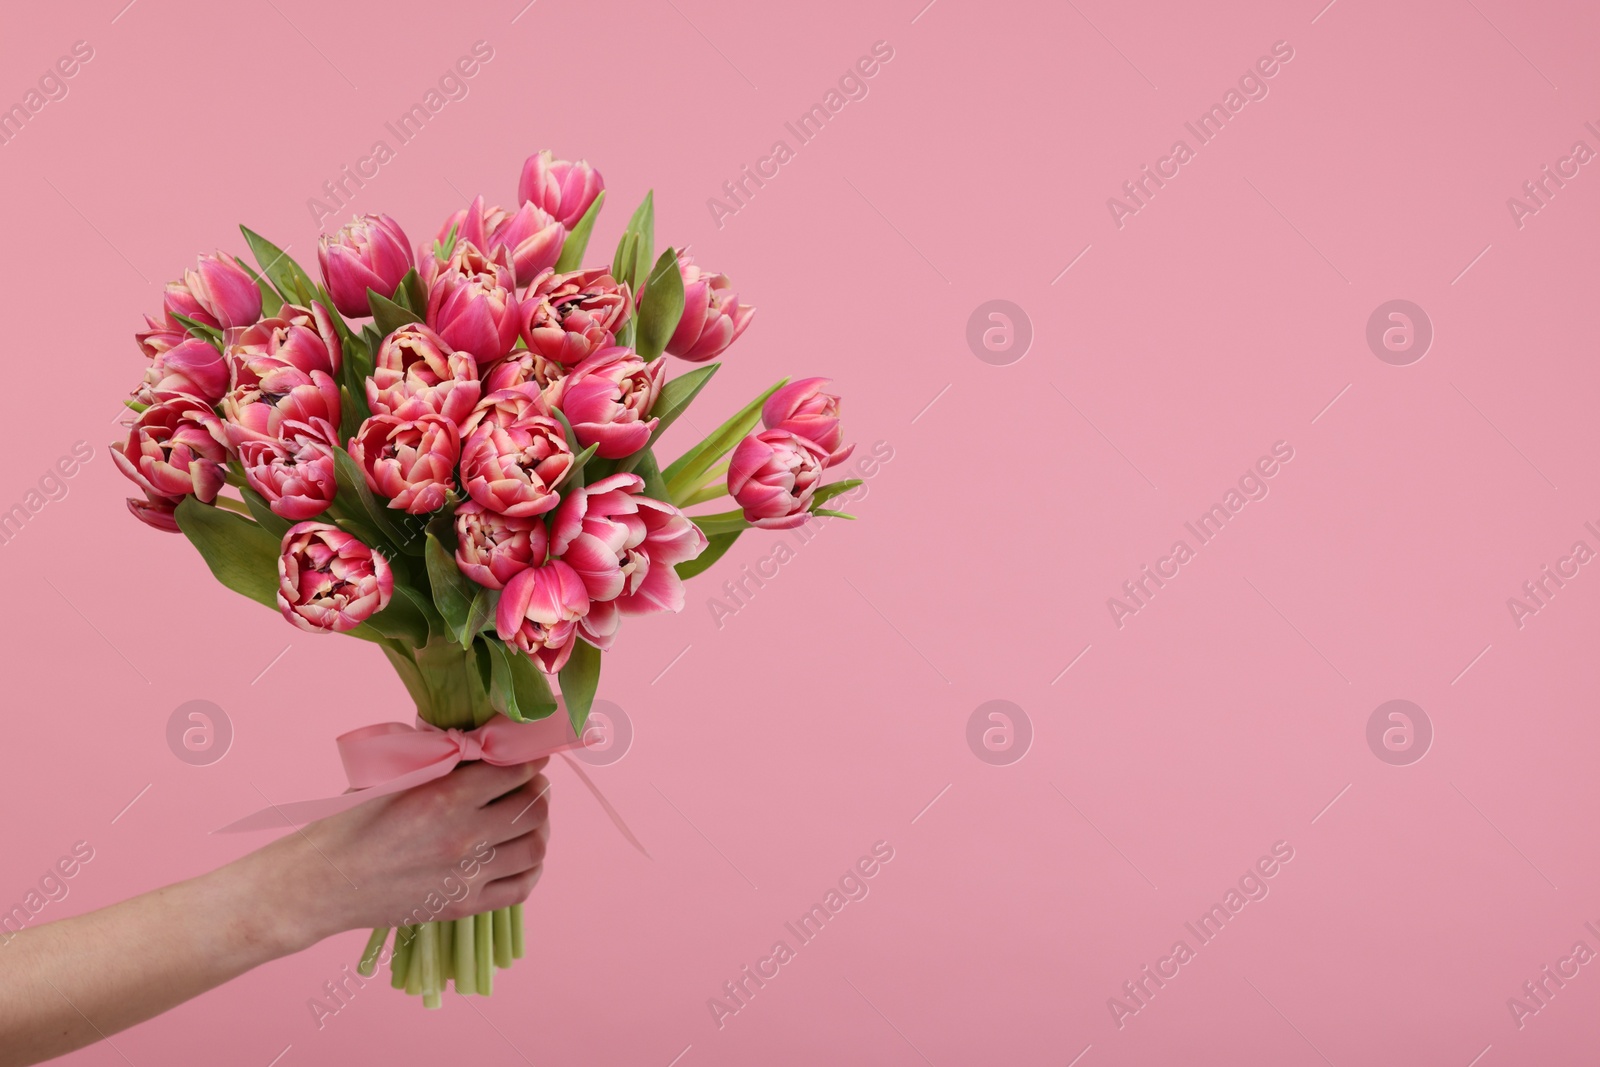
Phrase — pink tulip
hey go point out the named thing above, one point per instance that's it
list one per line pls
(527, 367)
(371, 252)
(218, 293)
(296, 339)
(172, 451)
(568, 317)
(328, 581)
(472, 304)
(563, 189)
(193, 367)
(416, 374)
(625, 547)
(804, 409)
(712, 318)
(512, 470)
(266, 410)
(608, 398)
(157, 511)
(773, 475)
(411, 462)
(506, 406)
(528, 239)
(492, 549)
(294, 475)
(159, 335)
(539, 611)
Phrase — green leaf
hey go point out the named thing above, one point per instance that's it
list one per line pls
(292, 283)
(578, 238)
(387, 315)
(405, 619)
(502, 687)
(271, 302)
(453, 592)
(262, 512)
(241, 555)
(645, 467)
(722, 522)
(200, 330)
(675, 398)
(443, 252)
(534, 698)
(716, 486)
(661, 307)
(410, 294)
(717, 548)
(833, 489)
(353, 409)
(481, 614)
(688, 471)
(575, 472)
(355, 499)
(410, 675)
(632, 261)
(833, 514)
(579, 680)
(517, 687)
(340, 327)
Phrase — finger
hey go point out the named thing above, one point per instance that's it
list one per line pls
(518, 812)
(504, 892)
(479, 782)
(514, 856)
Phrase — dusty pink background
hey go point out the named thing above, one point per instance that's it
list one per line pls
(826, 714)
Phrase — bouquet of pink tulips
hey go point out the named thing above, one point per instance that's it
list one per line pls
(451, 453)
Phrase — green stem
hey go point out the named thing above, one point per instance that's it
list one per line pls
(717, 486)
(400, 962)
(483, 925)
(517, 947)
(447, 952)
(466, 956)
(414, 966)
(452, 693)
(369, 955)
(430, 966)
(502, 937)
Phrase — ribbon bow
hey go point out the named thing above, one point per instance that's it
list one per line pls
(391, 757)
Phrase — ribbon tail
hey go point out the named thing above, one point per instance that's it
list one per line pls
(299, 812)
(616, 819)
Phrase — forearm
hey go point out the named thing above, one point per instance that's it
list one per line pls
(70, 983)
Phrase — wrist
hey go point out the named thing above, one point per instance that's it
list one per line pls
(258, 893)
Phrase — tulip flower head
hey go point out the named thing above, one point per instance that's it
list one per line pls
(371, 252)
(514, 469)
(328, 581)
(712, 317)
(562, 189)
(773, 475)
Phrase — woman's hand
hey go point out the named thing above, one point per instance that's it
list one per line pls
(469, 842)
(466, 843)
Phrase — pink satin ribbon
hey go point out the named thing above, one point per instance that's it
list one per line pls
(391, 757)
